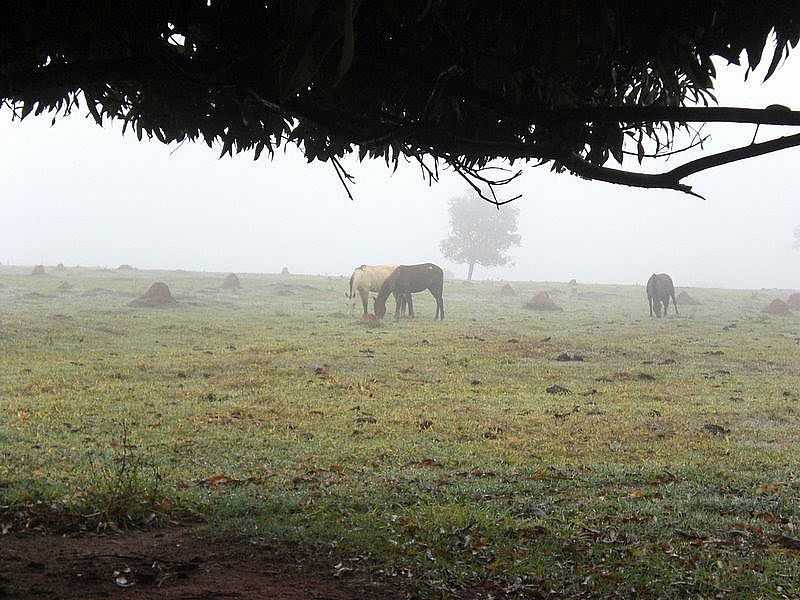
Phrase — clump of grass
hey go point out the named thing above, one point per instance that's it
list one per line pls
(125, 490)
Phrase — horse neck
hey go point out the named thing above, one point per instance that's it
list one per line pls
(386, 289)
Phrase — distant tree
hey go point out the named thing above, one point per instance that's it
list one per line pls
(479, 234)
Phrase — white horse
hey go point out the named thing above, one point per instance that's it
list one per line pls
(366, 279)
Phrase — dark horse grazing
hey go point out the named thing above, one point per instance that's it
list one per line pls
(659, 290)
(410, 279)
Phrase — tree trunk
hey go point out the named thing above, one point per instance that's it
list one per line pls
(471, 269)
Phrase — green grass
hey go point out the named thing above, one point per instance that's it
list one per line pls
(430, 451)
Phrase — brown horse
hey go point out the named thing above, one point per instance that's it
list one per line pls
(659, 290)
(410, 279)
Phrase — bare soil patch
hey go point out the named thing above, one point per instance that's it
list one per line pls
(170, 564)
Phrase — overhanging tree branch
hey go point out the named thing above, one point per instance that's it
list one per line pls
(505, 83)
(671, 180)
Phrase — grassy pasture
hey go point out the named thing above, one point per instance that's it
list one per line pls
(430, 452)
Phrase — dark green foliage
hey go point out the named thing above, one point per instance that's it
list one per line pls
(462, 82)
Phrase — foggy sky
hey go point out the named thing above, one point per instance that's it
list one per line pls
(79, 194)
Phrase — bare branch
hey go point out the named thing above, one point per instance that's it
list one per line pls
(631, 114)
(344, 176)
(671, 180)
(694, 144)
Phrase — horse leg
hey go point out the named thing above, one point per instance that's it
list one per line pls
(437, 295)
(675, 303)
(437, 290)
(410, 302)
(364, 300)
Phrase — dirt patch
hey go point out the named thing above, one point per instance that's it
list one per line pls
(777, 307)
(542, 302)
(794, 301)
(38, 270)
(172, 564)
(507, 291)
(157, 296)
(231, 282)
(684, 299)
